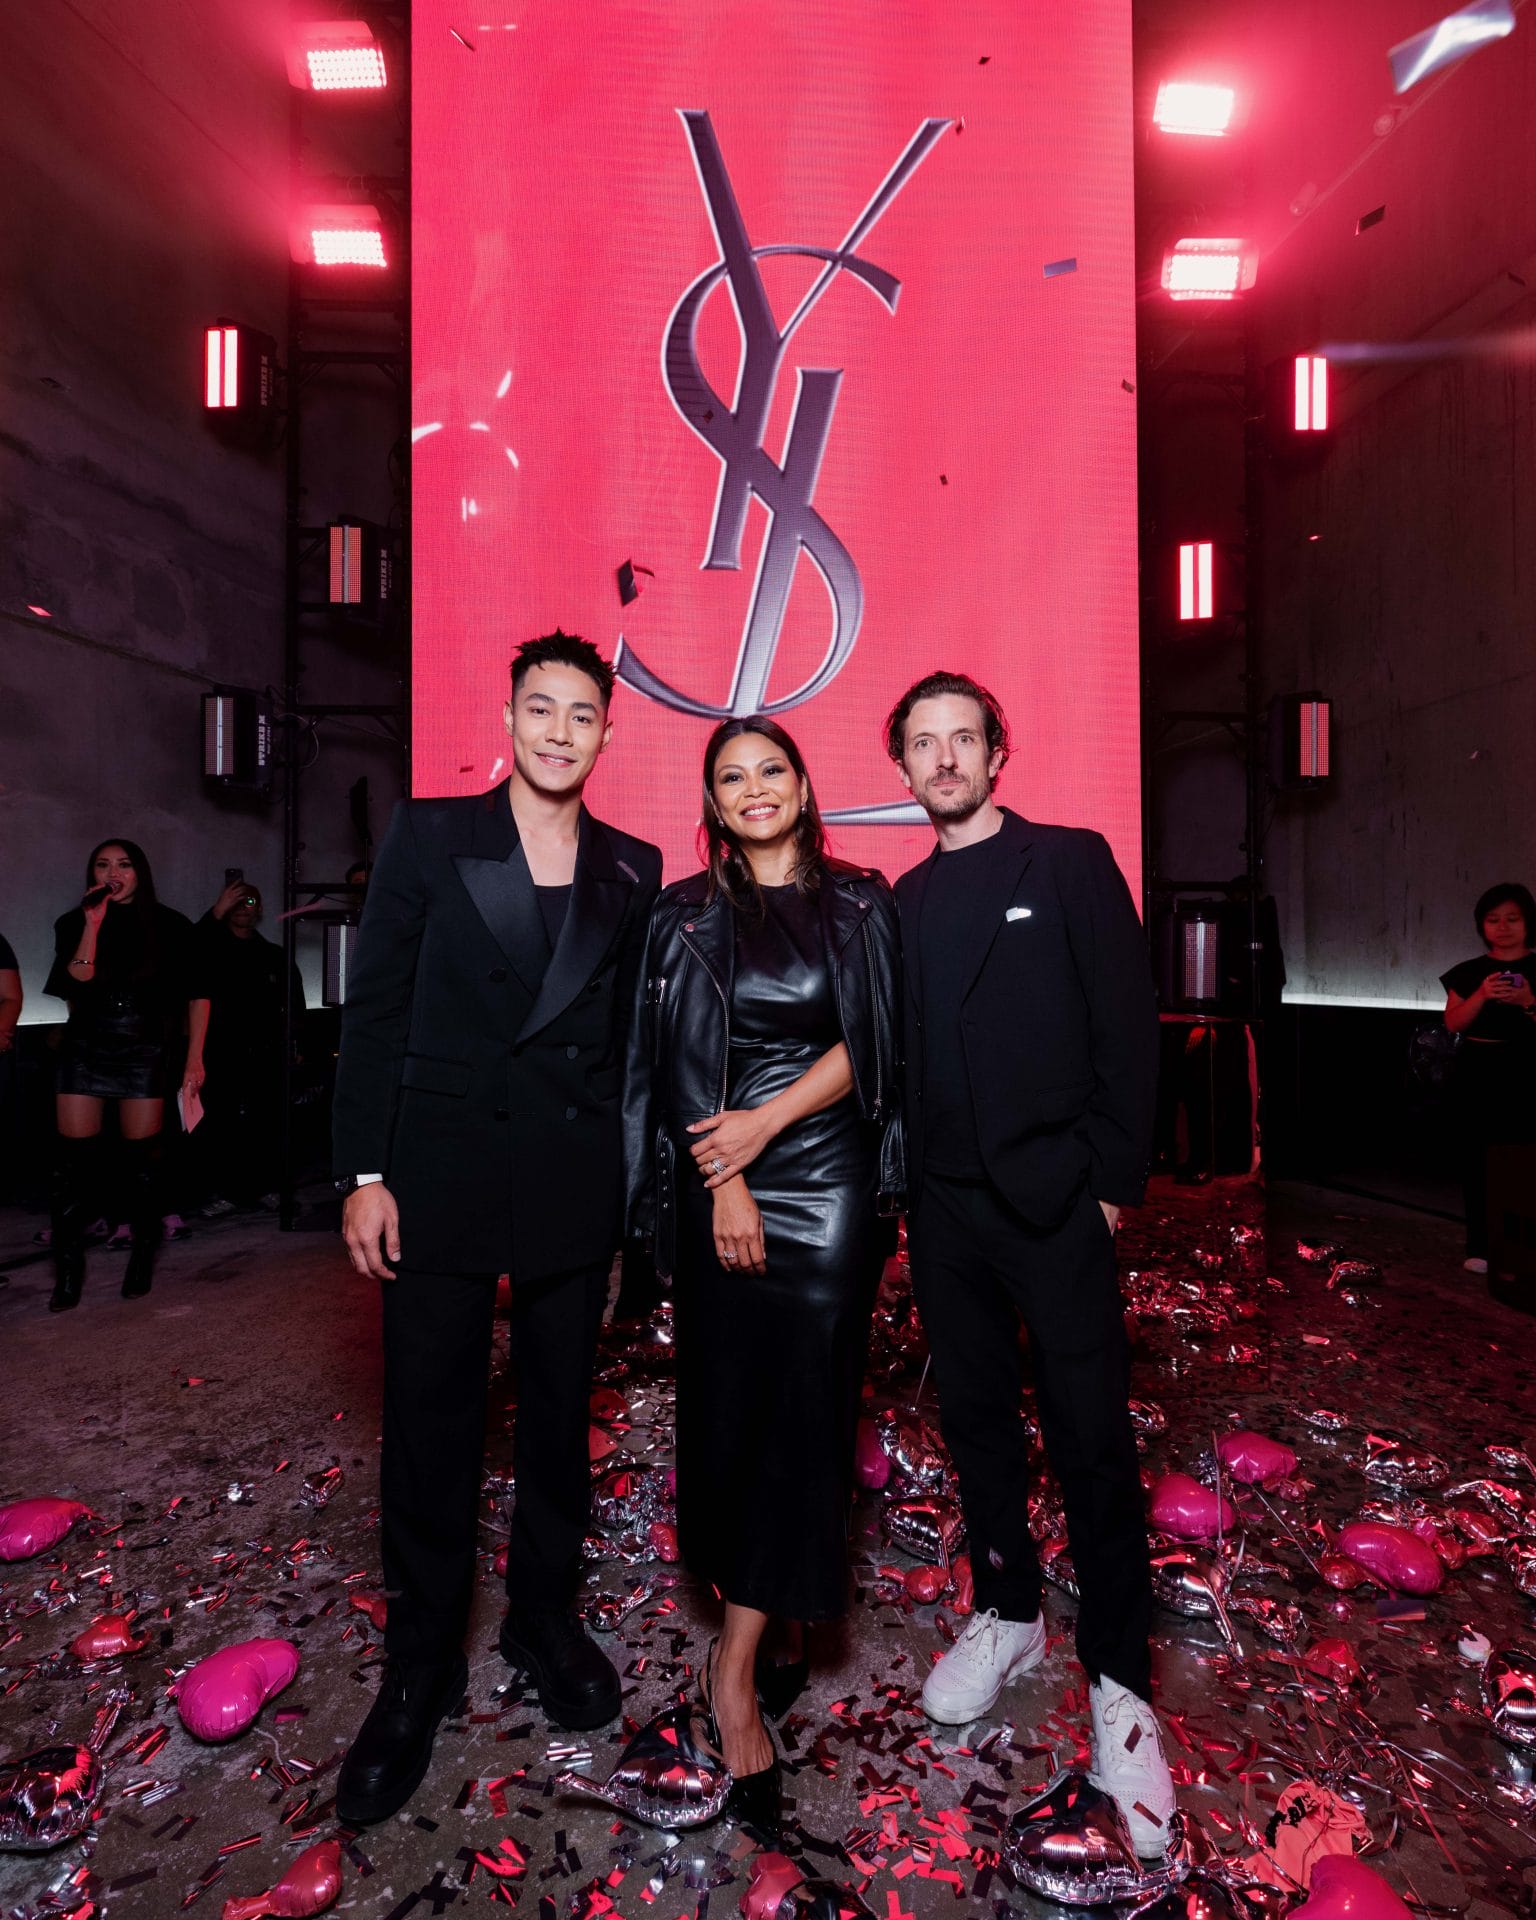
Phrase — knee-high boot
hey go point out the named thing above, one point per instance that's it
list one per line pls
(141, 1178)
(72, 1199)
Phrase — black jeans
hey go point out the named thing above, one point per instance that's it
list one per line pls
(978, 1268)
(437, 1350)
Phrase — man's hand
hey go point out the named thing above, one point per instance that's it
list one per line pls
(370, 1225)
(230, 898)
(734, 1138)
(738, 1229)
(1111, 1214)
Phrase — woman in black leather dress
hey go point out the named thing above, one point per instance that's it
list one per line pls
(122, 961)
(762, 1145)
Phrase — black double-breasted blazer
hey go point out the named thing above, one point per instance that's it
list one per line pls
(479, 1075)
(1058, 1022)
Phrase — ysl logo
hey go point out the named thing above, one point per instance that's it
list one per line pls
(734, 434)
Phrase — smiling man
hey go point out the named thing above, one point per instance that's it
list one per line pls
(477, 1132)
(1031, 1048)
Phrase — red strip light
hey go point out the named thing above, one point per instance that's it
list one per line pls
(1311, 393)
(1196, 599)
(221, 367)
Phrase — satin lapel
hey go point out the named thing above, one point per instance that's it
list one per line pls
(496, 877)
(911, 927)
(599, 895)
(988, 911)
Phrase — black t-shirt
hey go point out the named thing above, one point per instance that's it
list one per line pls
(244, 982)
(553, 905)
(956, 882)
(7, 956)
(1495, 1022)
(149, 958)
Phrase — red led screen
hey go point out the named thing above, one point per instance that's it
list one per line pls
(783, 348)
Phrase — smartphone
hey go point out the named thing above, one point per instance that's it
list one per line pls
(232, 874)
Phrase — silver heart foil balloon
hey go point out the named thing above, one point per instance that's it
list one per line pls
(1520, 1558)
(1203, 1896)
(47, 1797)
(1281, 1622)
(630, 1497)
(1193, 1581)
(913, 1449)
(671, 1775)
(1508, 1690)
(929, 1528)
(1510, 1459)
(1071, 1843)
(1397, 1464)
(1354, 1273)
(1058, 1566)
(1148, 1417)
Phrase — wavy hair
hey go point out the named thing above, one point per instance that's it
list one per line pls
(730, 872)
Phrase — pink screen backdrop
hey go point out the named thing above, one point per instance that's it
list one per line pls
(903, 440)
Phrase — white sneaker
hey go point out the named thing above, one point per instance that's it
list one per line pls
(1128, 1764)
(1474, 1265)
(966, 1682)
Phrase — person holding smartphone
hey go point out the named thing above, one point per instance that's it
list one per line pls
(125, 965)
(1491, 1003)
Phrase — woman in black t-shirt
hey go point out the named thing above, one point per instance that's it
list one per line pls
(1491, 1003)
(123, 963)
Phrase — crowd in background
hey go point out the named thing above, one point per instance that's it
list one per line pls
(170, 1068)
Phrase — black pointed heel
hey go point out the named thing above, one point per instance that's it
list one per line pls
(756, 1800)
(780, 1684)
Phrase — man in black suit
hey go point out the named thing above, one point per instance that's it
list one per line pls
(476, 1132)
(1031, 1049)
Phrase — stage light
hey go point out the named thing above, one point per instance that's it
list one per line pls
(237, 738)
(1192, 106)
(1208, 269)
(1196, 597)
(239, 368)
(350, 235)
(360, 565)
(1300, 740)
(335, 56)
(340, 946)
(1311, 393)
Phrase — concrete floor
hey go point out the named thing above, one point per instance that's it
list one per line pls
(226, 1429)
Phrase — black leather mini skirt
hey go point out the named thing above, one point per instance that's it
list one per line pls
(118, 1053)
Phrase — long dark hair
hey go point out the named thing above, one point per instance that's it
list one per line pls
(143, 905)
(729, 870)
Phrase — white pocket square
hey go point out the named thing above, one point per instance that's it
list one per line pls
(1017, 913)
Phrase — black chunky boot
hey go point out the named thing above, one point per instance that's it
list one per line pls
(141, 1179)
(71, 1200)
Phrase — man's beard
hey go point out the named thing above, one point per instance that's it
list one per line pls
(957, 803)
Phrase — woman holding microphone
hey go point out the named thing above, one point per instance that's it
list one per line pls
(123, 963)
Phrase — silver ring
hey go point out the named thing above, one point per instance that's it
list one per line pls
(728, 1255)
(717, 1165)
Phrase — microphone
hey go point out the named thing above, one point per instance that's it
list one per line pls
(95, 897)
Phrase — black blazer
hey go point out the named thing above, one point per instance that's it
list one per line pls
(488, 1100)
(680, 1037)
(1059, 1023)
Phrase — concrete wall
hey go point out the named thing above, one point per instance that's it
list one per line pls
(1413, 605)
(145, 156)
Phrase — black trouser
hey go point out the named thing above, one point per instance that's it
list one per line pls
(977, 1269)
(242, 1133)
(1491, 1094)
(437, 1351)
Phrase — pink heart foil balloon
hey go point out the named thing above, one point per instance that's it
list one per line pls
(374, 1605)
(663, 1540)
(1394, 1555)
(31, 1527)
(107, 1637)
(1180, 1506)
(871, 1462)
(1342, 1889)
(773, 1876)
(1255, 1459)
(309, 1886)
(1333, 1659)
(925, 1584)
(965, 1584)
(223, 1694)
